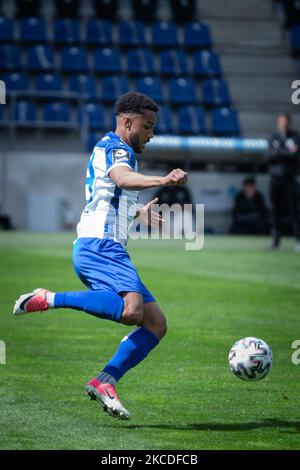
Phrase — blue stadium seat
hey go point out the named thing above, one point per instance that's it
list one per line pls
(225, 122)
(91, 141)
(48, 82)
(197, 35)
(74, 59)
(164, 121)
(113, 87)
(173, 62)
(215, 93)
(191, 120)
(295, 39)
(85, 85)
(164, 34)
(6, 29)
(15, 81)
(25, 112)
(33, 30)
(66, 31)
(182, 91)
(2, 117)
(108, 60)
(94, 115)
(140, 61)
(132, 33)
(150, 86)
(99, 32)
(57, 112)
(10, 57)
(207, 64)
(40, 58)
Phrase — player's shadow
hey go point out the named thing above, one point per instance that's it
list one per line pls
(294, 426)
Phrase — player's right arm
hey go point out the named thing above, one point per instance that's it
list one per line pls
(126, 178)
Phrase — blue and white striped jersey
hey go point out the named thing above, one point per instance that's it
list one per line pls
(109, 210)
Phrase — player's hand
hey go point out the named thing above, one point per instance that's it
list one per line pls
(177, 176)
(147, 216)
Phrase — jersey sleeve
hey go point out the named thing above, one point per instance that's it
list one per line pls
(119, 157)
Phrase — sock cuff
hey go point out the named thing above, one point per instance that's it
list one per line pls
(60, 300)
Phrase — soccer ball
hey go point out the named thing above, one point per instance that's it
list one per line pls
(250, 359)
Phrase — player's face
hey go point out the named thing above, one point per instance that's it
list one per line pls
(142, 129)
(282, 123)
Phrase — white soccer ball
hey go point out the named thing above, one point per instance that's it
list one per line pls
(250, 359)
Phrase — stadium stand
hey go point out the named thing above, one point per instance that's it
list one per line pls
(81, 59)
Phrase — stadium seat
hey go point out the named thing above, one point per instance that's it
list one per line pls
(66, 31)
(150, 86)
(99, 32)
(182, 91)
(94, 115)
(225, 122)
(183, 10)
(164, 121)
(91, 141)
(295, 39)
(207, 64)
(15, 81)
(173, 62)
(84, 85)
(144, 10)
(106, 9)
(26, 8)
(67, 8)
(25, 112)
(48, 82)
(107, 60)
(6, 30)
(164, 34)
(191, 120)
(140, 61)
(197, 35)
(10, 57)
(57, 112)
(32, 30)
(132, 33)
(215, 93)
(2, 116)
(74, 59)
(113, 87)
(40, 58)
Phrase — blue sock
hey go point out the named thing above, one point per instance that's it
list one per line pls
(132, 350)
(102, 304)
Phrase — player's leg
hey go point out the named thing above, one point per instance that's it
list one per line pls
(103, 304)
(133, 349)
(276, 195)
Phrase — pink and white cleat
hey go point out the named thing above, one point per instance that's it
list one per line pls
(106, 395)
(35, 301)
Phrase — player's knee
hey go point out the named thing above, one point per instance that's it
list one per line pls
(161, 328)
(132, 315)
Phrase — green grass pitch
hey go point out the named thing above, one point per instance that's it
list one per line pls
(183, 396)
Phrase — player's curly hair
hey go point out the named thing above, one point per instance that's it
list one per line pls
(134, 102)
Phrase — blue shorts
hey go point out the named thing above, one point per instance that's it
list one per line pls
(103, 264)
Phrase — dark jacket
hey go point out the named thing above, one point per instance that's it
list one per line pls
(283, 164)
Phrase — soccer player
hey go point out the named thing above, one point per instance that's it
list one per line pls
(116, 291)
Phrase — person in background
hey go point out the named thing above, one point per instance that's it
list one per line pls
(250, 214)
(283, 161)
